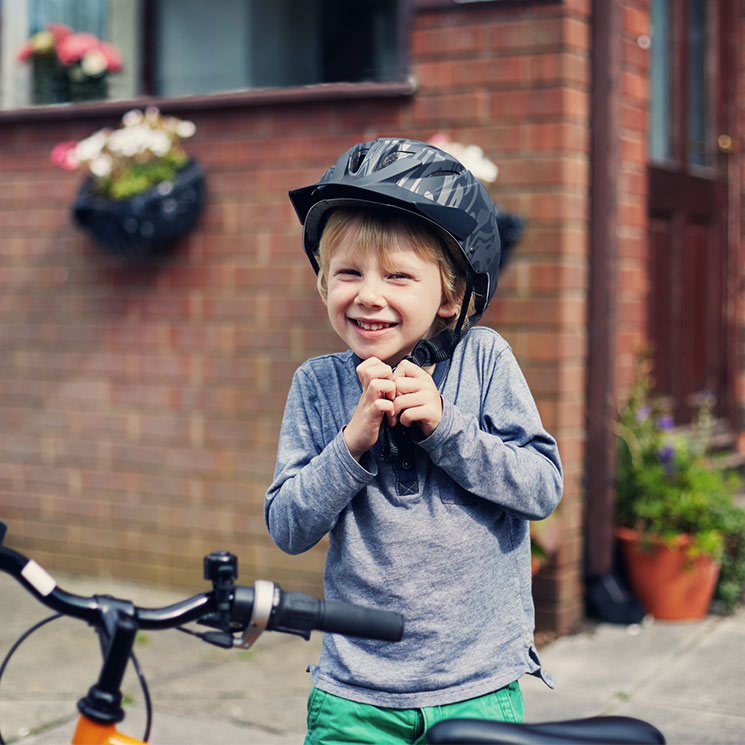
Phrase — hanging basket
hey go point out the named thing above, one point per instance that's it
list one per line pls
(49, 82)
(148, 222)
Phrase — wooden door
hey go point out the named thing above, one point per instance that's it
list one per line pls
(689, 157)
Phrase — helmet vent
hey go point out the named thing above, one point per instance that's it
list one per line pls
(356, 160)
(392, 158)
(444, 172)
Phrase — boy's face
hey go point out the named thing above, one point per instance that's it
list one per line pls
(381, 306)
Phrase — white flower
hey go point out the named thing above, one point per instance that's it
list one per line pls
(101, 165)
(132, 118)
(128, 141)
(471, 156)
(94, 63)
(146, 144)
(90, 147)
(186, 128)
(159, 143)
(478, 164)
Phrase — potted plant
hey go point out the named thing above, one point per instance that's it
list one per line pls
(69, 66)
(142, 190)
(544, 541)
(679, 528)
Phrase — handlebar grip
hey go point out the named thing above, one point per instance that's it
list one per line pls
(354, 620)
(296, 612)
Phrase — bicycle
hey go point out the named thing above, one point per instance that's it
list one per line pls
(235, 614)
(238, 615)
(604, 730)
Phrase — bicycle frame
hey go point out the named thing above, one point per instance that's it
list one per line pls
(88, 732)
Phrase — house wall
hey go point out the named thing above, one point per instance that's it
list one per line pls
(140, 403)
(633, 250)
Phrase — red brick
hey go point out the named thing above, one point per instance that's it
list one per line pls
(471, 108)
(468, 40)
(636, 21)
(558, 136)
(635, 87)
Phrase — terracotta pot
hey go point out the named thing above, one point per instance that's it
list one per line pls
(535, 565)
(665, 581)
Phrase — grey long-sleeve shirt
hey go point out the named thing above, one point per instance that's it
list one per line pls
(442, 538)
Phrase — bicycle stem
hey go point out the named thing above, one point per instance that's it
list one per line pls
(103, 704)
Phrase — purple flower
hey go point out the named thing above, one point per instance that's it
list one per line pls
(642, 413)
(666, 454)
(665, 423)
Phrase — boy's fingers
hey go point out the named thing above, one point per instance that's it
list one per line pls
(407, 385)
(407, 369)
(383, 405)
(381, 388)
(371, 369)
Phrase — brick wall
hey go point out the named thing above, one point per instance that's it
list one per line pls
(140, 404)
(633, 250)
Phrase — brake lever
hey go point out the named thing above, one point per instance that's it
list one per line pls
(222, 639)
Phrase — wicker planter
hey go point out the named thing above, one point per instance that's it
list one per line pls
(148, 222)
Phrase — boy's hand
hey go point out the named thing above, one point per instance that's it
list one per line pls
(376, 401)
(417, 398)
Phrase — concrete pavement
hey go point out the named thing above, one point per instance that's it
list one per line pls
(688, 679)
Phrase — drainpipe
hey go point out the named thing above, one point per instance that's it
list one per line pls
(607, 598)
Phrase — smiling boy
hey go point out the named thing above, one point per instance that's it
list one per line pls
(406, 248)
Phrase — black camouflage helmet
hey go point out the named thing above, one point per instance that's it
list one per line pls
(422, 181)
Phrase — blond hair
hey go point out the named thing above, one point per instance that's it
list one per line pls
(384, 233)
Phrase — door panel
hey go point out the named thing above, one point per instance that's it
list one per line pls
(687, 206)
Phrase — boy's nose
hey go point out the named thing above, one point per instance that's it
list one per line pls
(370, 293)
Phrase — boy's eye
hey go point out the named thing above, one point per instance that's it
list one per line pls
(348, 271)
(400, 275)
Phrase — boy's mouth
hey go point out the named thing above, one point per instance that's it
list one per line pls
(371, 325)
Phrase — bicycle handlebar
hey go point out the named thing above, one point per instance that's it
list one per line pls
(264, 606)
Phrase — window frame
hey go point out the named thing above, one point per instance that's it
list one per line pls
(404, 86)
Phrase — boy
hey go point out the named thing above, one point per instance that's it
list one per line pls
(419, 451)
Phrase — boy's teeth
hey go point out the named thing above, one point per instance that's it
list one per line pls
(372, 326)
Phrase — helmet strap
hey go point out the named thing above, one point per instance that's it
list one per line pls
(395, 445)
(441, 347)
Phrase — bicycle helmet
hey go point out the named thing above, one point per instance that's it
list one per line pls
(428, 184)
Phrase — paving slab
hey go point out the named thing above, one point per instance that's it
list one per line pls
(687, 679)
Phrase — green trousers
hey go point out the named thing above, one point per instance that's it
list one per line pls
(333, 720)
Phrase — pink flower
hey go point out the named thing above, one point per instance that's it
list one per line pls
(44, 42)
(63, 154)
(25, 51)
(439, 140)
(74, 47)
(113, 58)
(59, 31)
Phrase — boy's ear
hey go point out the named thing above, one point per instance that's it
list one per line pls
(446, 309)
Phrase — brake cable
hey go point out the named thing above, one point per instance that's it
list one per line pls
(140, 675)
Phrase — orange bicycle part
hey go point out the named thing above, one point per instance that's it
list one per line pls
(88, 732)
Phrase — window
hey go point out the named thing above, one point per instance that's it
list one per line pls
(660, 133)
(683, 62)
(698, 94)
(260, 44)
(191, 47)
